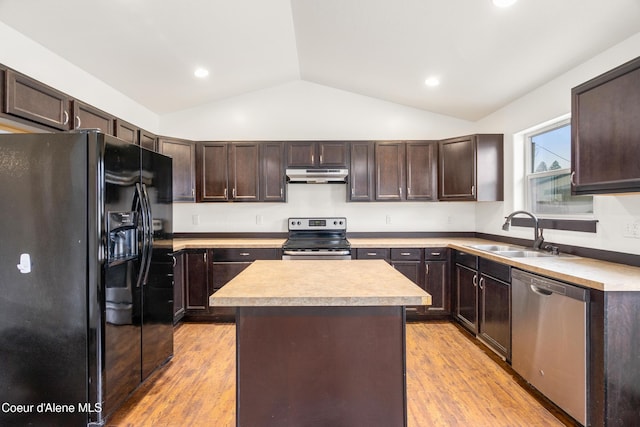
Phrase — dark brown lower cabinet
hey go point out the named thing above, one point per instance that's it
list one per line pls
(179, 307)
(208, 270)
(466, 297)
(494, 323)
(196, 282)
(436, 283)
(483, 300)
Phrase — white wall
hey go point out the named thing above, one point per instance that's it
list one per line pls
(301, 111)
(550, 101)
(34, 60)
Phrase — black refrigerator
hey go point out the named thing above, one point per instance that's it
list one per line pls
(86, 275)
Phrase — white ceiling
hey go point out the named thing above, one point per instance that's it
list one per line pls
(484, 56)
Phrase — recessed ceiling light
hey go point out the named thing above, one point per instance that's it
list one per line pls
(432, 81)
(504, 3)
(201, 73)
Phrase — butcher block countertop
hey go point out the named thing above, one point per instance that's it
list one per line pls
(319, 283)
(587, 272)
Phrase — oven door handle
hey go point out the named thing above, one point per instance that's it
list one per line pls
(316, 253)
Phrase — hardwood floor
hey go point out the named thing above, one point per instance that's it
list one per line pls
(451, 381)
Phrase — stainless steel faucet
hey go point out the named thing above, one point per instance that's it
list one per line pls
(538, 239)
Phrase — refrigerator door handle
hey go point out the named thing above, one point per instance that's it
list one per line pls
(141, 207)
(149, 232)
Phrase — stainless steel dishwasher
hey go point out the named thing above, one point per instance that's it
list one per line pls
(549, 339)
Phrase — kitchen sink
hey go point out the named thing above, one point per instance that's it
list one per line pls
(523, 254)
(496, 248)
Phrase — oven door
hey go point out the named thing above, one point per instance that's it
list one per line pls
(308, 254)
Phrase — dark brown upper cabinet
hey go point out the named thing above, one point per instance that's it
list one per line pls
(406, 170)
(86, 116)
(361, 172)
(471, 168)
(148, 140)
(422, 167)
(331, 154)
(273, 186)
(183, 154)
(126, 131)
(389, 169)
(228, 171)
(29, 99)
(605, 132)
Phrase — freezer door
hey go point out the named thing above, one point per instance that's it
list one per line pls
(157, 317)
(43, 278)
(121, 345)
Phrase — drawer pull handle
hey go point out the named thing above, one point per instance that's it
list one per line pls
(244, 254)
(435, 253)
(405, 253)
(372, 253)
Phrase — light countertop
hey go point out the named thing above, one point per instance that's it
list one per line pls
(587, 272)
(320, 283)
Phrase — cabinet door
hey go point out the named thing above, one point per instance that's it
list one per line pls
(422, 162)
(273, 185)
(467, 297)
(148, 140)
(411, 269)
(37, 102)
(244, 171)
(88, 117)
(301, 154)
(178, 287)
(332, 154)
(213, 184)
(197, 283)
(389, 171)
(436, 285)
(495, 314)
(126, 131)
(223, 272)
(605, 132)
(183, 154)
(361, 172)
(457, 169)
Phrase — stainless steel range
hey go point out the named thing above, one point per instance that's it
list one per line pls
(317, 238)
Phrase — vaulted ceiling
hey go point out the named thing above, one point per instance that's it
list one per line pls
(484, 56)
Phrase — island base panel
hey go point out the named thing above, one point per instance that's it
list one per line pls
(321, 366)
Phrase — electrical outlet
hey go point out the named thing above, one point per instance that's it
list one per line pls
(388, 219)
(632, 230)
(259, 219)
(195, 219)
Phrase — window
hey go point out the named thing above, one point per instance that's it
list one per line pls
(548, 173)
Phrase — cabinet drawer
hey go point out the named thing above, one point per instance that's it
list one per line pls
(408, 254)
(467, 260)
(245, 254)
(372, 253)
(495, 269)
(435, 254)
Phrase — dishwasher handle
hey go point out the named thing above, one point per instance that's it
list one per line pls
(544, 286)
(541, 291)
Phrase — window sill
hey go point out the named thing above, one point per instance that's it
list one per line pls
(581, 225)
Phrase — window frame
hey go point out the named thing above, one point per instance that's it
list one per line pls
(529, 176)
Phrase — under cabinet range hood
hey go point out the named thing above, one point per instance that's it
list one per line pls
(317, 176)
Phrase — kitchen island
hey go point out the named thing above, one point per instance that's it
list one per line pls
(320, 342)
